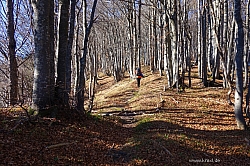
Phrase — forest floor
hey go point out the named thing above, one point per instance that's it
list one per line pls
(194, 127)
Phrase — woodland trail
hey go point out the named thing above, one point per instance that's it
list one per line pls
(121, 95)
(196, 104)
(125, 100)
(199, 122)
(195, 127)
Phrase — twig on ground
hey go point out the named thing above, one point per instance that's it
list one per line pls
(110, 149)
(247, 141)
(52, 120)
(163, 148)
(59, 145)
(175, 100)
(21, 121)
(27, 112)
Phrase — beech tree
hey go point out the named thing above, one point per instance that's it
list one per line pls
(139, 34)
(238, 66)
(246, 46)
(12, 55)
(131, 35)
(44, 68)
(61, 94)
(81, 84)
(70, 52)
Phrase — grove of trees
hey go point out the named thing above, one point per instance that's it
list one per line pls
(50, 50)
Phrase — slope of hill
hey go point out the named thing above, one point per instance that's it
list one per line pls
(191, 126)
(196, 126)
(195, 107)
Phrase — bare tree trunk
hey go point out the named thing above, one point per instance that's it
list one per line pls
(246, 47)
(154, 32)
(78, 49)
(61, 94)
(51, 47)
(69, 50)
(139, 35)
(12, 55)
(210, 38)
(204, 45)
(43, 93)
(225, 43)
(93, 77)
(168, 61)
(174, 32)
(181, 47)
(247, 55)
(199, 39)
(131, 39)
(187, 63)
(230, 50)
(152, 36)
(215, 11)
(161, 40)
(134, 32)
(218, 33)
(172, 68)
(220, 51)
(238, 66)
(80, 95)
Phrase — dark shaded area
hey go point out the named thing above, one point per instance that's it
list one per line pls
(71, 141)
(96, 140)
(155, 139)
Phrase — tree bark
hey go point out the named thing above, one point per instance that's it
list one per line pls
(204, 47)
(80, 95)
(199, 39)
(225, 42)
(12, 55)
(131, 38)
(61, 93)
(238, 67)
(69, 50)
(246, 47)
(139, 35)
(43, 93)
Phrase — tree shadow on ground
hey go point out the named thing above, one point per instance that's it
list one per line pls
(72, 140)
(94, 140)
(163, 143)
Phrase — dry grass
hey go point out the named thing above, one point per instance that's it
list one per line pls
(195, 124)
(196, 105)
(195, 127)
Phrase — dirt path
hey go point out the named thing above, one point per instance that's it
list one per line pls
(193, 127)
(116, 101)
(195, 124)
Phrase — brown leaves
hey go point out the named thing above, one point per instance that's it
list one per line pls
(194, 126)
